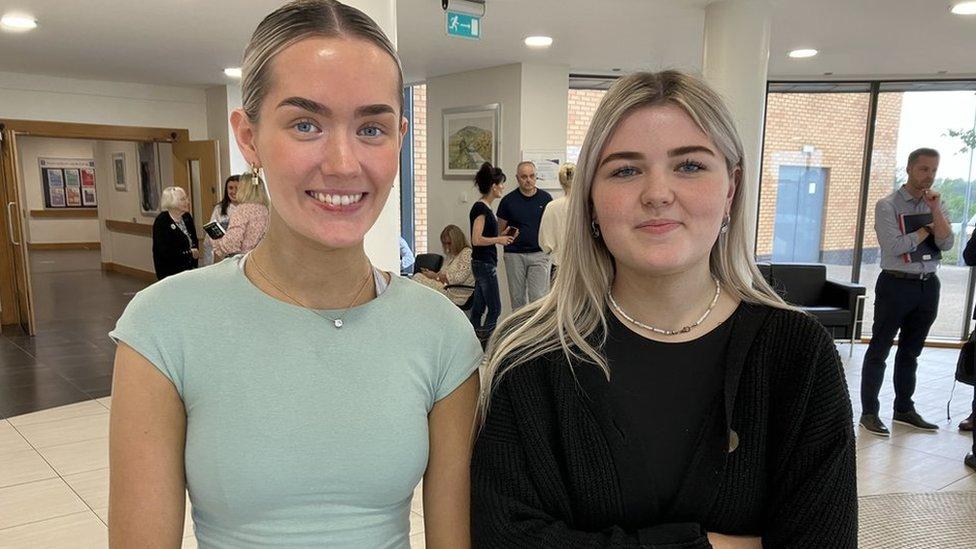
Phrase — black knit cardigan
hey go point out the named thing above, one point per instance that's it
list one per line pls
(776, 461)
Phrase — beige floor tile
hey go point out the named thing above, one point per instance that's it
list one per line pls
(79, 457)
(24, 466)
(416, 523)
(11, 440)
(106, 402)
(910, 465)
(947, 443)
(71, 411)
(869, 484)
(37, 501)
(91, 486)
(77, 531)
(967, 484)
(417, 503)
(189, 542)
(66, 431)
(102, 514)
(417, 541)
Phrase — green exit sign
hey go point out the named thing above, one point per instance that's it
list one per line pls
(464, 25)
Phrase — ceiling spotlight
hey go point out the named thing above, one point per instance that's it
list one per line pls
(18, 22)
(801, 54)
(538, 41)
(233, 72)
(964, 8)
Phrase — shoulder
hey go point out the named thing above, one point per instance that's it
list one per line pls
(428, 306)
(792, 339)
(545, 196)
(161, 219)
(465, 254)
(189, 288)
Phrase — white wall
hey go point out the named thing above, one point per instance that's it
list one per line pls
(221, 101)
(534, 104)
(48, 230)
(120, 248)
(36, 97)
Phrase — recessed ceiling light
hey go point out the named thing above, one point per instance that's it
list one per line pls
(538, 41)
(800, 54)
(233, 72)
(964, 8)
(18, 22)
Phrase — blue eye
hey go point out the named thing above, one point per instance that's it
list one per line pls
(371, 131)
(305, 127)
(626, 171)
(690, 166)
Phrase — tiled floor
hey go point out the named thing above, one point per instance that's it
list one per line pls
(70, 359)
(54, 440)
(54, 479)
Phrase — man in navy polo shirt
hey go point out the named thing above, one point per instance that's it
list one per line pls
(526, 265)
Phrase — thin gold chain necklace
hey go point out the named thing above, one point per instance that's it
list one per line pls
(337, 321)
(684, 330)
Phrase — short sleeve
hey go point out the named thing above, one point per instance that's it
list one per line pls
(460, 354)
(503, 212)
(149, 328)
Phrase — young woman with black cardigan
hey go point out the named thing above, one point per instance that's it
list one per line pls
(662, 395)
(175, 244)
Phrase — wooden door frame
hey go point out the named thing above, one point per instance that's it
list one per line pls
(10, 314)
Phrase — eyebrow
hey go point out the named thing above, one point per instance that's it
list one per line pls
(681, 151)
(320, 109)
(626, 155)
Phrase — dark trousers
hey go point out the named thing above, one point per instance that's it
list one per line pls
(911, 307)
(486, 296)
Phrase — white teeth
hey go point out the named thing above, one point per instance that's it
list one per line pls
(337, 199)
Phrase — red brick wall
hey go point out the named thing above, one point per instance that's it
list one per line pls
(420, 168)
(834, 125)
(582, 105)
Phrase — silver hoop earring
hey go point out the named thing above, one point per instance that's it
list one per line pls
(725, 224)
(594, 229)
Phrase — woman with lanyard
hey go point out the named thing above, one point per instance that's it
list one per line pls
(175, 246)
(662, 395)
(309, 419)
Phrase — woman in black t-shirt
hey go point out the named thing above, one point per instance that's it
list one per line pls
(484, 257)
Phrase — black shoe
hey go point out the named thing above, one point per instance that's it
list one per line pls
(967, 424)
(874, 425)
(912, 419)
(970, 461)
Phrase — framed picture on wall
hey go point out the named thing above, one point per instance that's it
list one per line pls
(88, 196)
(471, 137)
(118, 167)
(150, 187)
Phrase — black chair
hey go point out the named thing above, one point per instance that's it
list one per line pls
(432, 262)
(834, 304)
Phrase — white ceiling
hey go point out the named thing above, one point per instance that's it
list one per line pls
(189, 42)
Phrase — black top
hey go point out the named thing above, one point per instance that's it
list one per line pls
(171, 246)
(525, 214)
(550, 470)
(488, 253)
(660, 395)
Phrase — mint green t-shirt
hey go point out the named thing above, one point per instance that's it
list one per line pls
(300, 434)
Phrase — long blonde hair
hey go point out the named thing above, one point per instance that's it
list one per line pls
(573, 311)
(251, 190)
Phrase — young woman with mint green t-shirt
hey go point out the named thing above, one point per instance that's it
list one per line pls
(298, 393)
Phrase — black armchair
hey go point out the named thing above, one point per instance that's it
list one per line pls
(432, 262)
(833, 303)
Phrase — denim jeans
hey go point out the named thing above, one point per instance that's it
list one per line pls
(486, 296)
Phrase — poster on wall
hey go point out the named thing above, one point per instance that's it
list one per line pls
(118, 163)
(88, 196)
(63, 180)
(547, 162)
(53, 187)
(150, 187)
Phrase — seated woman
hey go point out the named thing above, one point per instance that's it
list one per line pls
(175, 246)
(248, 221)
(457, 271)
(662, 395)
